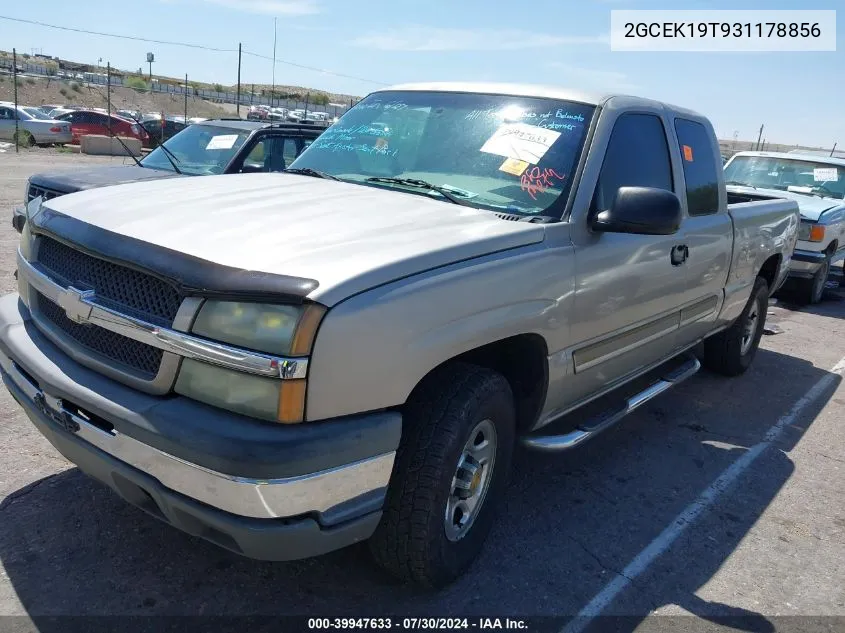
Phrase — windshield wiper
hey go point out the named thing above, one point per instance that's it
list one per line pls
(171, 157)
(740, 184)
(420, 184)
(307, 171)
(128, 151)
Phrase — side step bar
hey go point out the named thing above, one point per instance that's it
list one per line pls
(593, 426)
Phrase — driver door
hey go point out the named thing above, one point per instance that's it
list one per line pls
(628, 292)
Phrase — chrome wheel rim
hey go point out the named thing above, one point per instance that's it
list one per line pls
(471, 480)
(750, 328)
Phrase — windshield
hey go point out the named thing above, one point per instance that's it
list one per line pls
(199, 150)
(787, 174)
(509, 153)
(35, 113)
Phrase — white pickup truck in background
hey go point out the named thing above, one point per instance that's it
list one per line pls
(817, 183)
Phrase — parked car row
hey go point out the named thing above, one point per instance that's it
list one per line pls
(351, 349)
(267, 113)
(71, 122)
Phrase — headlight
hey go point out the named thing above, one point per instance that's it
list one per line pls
(247, 394)
(33, 208)
(274, 329)
(26, 242)
(282, 330)
(810, 232)
(255, 396)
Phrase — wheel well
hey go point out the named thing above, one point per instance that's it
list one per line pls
(832, 247)
(523, 361)
(769, 270)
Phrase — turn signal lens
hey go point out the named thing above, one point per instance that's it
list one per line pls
(292, 401)
(817, 233)
(306, 329)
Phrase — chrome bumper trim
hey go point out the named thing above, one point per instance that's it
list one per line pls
(258, 498)
(86, 311)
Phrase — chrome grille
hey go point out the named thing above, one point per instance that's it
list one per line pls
(119, 288)
(137, 357)
(47, 194)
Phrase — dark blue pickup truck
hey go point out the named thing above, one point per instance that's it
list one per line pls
(218, 146)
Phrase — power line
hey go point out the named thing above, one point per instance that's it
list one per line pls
(121, 37)
(187, 45)
(319, 70)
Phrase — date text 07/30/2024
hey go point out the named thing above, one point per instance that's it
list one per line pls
(416, 623)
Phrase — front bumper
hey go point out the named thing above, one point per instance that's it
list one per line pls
(805, 263)
(201, 469)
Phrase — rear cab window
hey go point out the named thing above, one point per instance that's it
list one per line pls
(700, 170)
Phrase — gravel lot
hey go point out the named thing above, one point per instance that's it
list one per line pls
(722, 498)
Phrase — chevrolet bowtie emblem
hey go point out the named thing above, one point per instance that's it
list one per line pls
(75, 304)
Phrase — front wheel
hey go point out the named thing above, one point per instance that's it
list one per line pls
(731, 351)
(812, 289)
(24, 138)
(451, 471)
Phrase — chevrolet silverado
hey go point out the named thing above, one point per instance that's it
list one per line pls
(285, 364)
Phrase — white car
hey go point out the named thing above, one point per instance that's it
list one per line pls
(817, 183)
(30, 129)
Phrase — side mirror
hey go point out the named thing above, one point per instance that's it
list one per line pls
(641, 210)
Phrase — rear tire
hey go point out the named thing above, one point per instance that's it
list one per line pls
(425, 536)
(812, 290)
(732, 351)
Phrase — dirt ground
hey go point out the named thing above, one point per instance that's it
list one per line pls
(721, 501)
(36, 91)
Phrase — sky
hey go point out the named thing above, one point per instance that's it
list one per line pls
(798, 96)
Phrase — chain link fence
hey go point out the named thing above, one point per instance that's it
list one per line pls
(171, 86)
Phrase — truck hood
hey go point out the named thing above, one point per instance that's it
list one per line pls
(69, 181)
(348, 238)
(810, 207)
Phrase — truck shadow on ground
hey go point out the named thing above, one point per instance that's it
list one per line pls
(569, 525)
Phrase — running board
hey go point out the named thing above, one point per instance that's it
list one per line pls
(593, 426)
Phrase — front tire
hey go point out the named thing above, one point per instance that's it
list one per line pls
(451, 471)
(812, 289)
(24, 138)
(732, 351)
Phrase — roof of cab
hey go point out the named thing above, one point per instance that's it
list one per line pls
(534, 90)
(815, 158)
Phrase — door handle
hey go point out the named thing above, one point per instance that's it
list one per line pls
(679, 254)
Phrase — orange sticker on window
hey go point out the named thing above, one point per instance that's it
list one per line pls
(513, 166)
(687, 153)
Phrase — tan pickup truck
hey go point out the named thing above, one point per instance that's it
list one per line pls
(285, 364)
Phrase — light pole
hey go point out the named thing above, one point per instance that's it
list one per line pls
(273, 89)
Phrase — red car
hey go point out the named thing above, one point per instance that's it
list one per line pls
(84, 122)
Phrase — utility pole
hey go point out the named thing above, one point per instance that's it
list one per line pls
(239, 81)
(186, 98)
(108, 95)
(273, 90)
(833, 150)
(759, 136)
(15, 84)
(307, 96)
